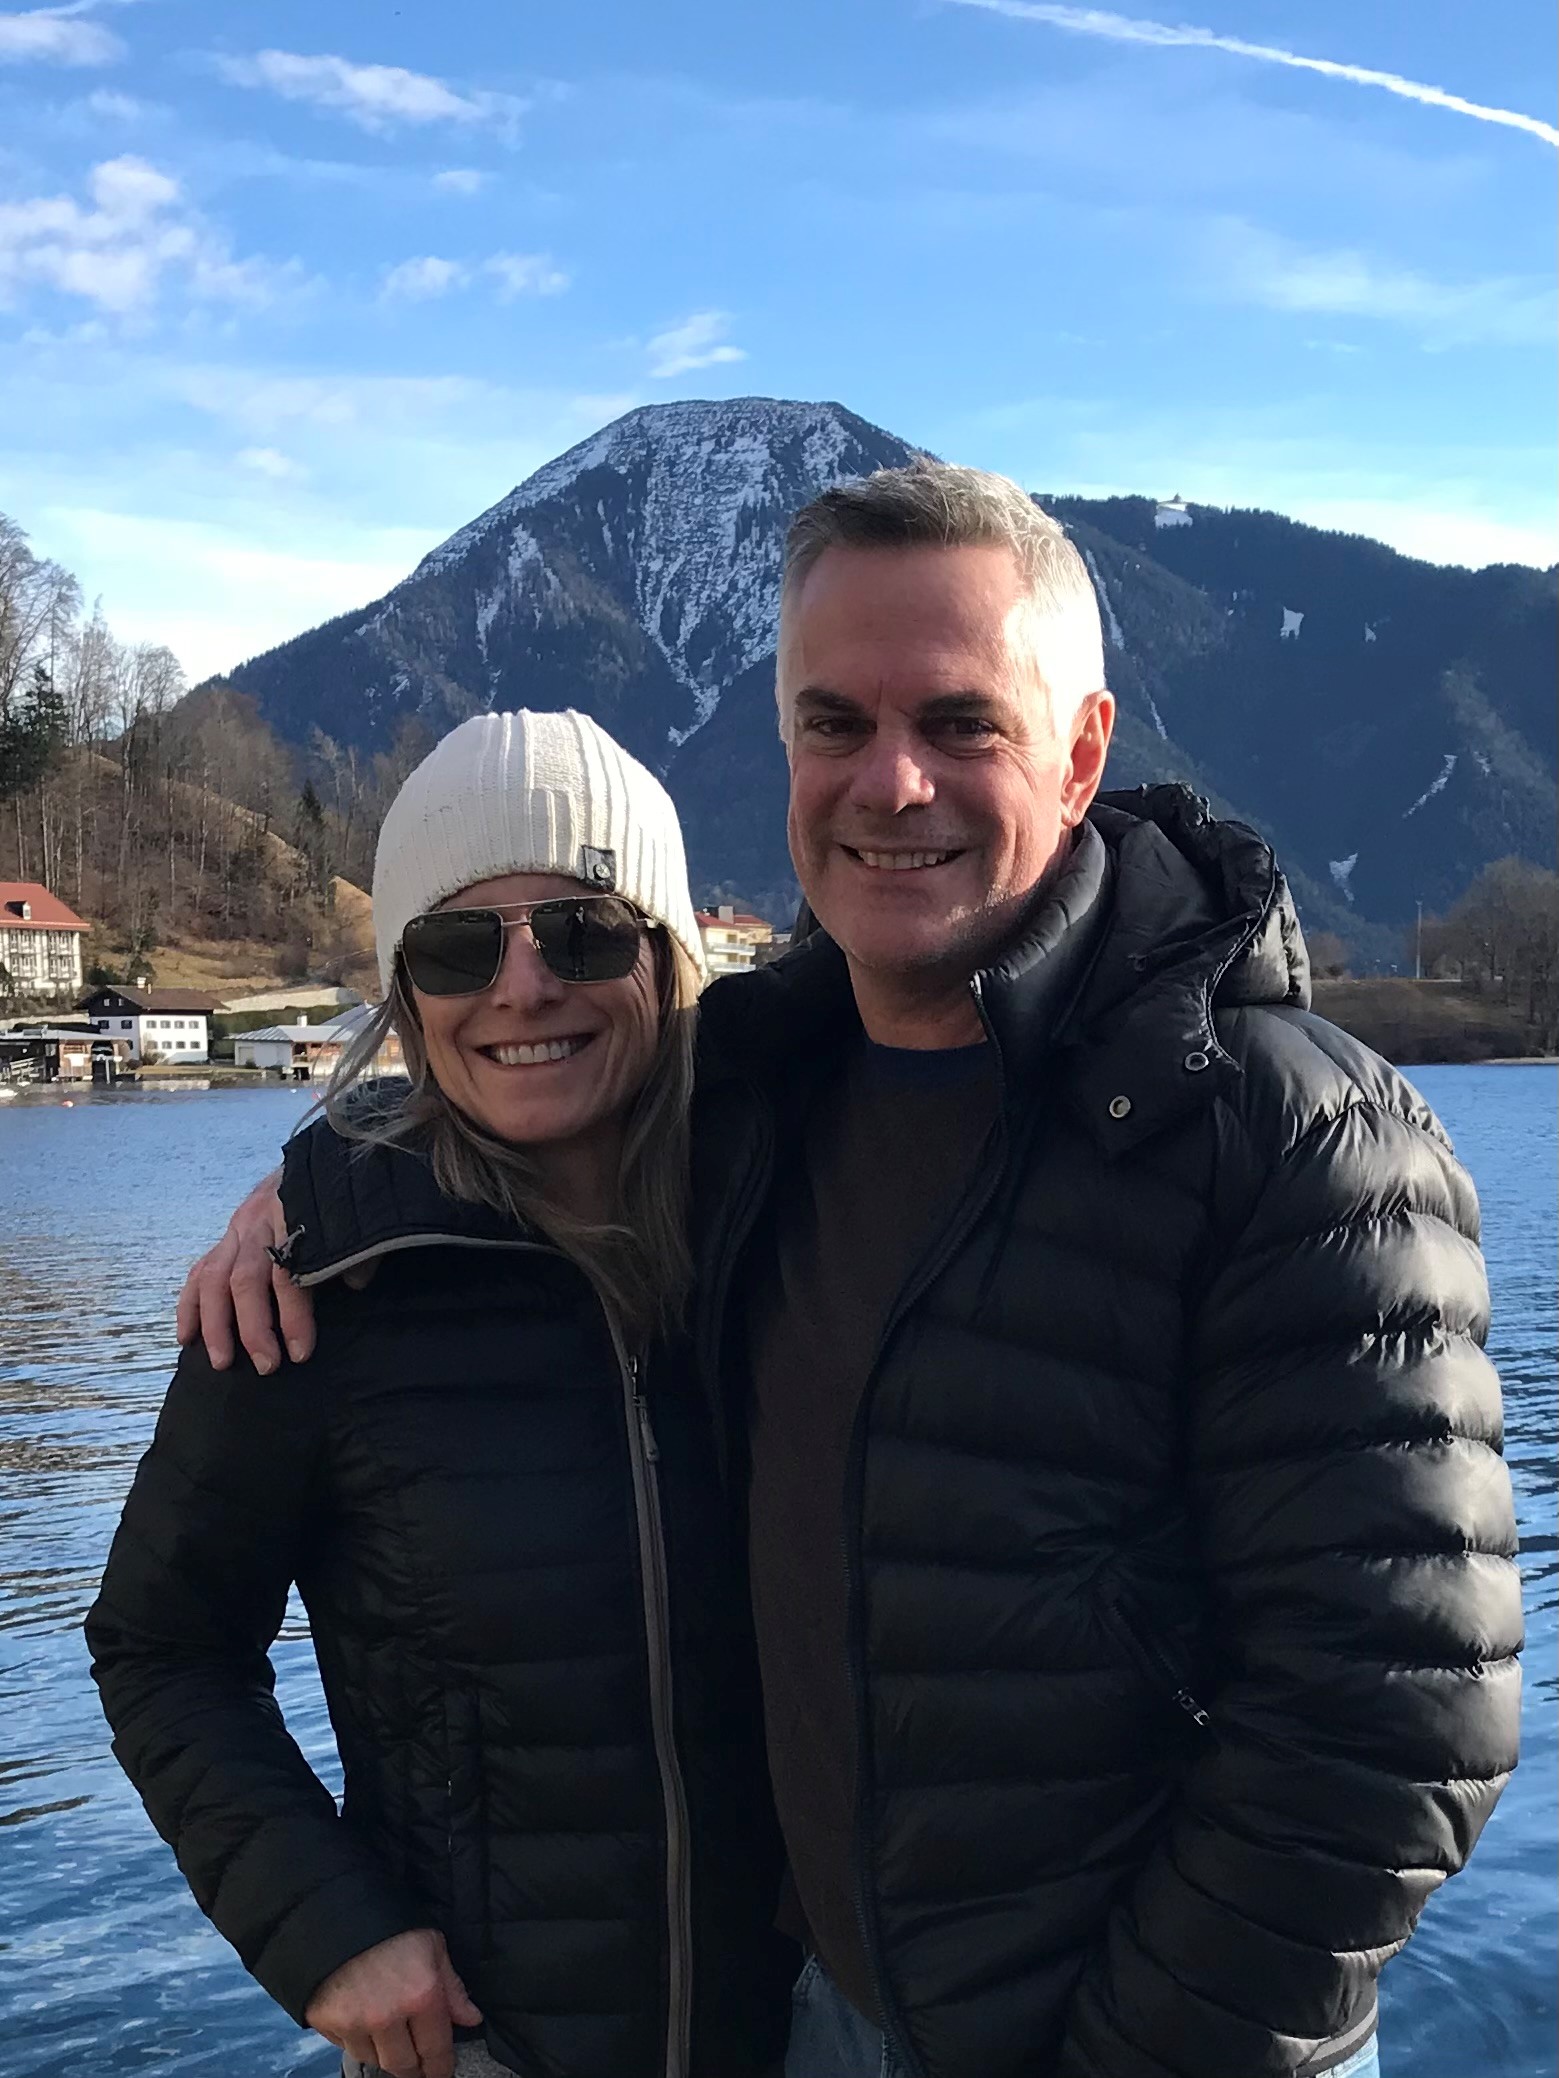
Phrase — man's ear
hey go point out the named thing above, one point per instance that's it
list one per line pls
(1092, 727)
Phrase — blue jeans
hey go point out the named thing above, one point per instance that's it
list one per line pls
(829, 2039)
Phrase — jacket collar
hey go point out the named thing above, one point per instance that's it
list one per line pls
(348, 1201)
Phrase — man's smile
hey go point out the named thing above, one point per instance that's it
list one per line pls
(901, 861)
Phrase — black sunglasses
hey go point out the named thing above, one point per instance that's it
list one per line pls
(459, 952)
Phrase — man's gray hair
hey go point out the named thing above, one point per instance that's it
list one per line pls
(940, 505)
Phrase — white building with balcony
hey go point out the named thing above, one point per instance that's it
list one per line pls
(40, 943)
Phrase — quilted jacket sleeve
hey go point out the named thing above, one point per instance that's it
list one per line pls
(212, 1536)
(1354, 1516)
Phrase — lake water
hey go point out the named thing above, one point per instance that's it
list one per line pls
(106, 1966)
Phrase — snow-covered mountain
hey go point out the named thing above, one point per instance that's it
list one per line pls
(636, 576)
(1389, 723)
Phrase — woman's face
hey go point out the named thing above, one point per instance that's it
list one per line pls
(484, 1051)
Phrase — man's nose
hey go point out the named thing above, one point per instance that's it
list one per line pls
(890, 776)
(525, 982)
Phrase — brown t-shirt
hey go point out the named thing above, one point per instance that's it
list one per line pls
(887, 1147)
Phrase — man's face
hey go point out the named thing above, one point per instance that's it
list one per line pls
(929, 788)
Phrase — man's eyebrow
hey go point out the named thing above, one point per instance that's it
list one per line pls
(821, 699)
(951, 706)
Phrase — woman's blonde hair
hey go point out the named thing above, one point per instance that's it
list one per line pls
(640, 1261)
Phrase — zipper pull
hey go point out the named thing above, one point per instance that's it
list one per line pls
(1193, 1709)
(641, 1408)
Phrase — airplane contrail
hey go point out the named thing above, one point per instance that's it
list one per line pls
(1121, 28)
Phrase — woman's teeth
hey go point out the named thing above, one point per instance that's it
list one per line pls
(902, 861)
(534, 1056)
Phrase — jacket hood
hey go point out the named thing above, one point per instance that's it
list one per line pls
(1188, 879)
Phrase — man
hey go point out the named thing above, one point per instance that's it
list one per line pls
(1131, 1550)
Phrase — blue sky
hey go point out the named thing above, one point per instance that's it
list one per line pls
(288, 293)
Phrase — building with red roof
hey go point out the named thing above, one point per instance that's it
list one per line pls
(40, 942)
(734, 940)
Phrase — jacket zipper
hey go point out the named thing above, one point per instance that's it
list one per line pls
(1149, 1656)
(975, 1202)
(644, 1459)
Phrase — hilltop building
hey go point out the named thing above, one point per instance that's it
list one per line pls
(172, 1024)
(1174, 512)
(733, 939)
(40, 942)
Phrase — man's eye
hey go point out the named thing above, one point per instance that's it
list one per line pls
(967, 728)
(830, 725)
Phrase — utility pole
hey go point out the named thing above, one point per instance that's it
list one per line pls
(1418, 945)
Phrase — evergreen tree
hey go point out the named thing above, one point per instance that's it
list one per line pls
(32, 735)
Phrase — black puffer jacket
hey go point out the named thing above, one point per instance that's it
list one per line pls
(1183, 1610)
(519, 1577)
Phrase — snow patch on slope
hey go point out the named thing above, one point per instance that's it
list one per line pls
(1341, 871)
(1112, 625)
(1436, 786)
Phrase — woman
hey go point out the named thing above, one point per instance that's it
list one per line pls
(495, 1492)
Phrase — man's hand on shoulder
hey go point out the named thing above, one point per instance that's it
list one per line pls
(239, 1284)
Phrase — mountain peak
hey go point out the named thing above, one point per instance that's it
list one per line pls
(730, 446)
(673, 513)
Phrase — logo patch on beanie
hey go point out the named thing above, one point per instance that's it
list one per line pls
(598, 867)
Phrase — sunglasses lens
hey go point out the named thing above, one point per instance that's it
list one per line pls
(454, 952)
(593, 940)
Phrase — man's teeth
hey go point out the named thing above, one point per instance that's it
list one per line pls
(534, 1056)
(902, 861)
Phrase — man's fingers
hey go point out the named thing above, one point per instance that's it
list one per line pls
(253, 1298)
(213, 1306)
(463, 2008)
(295, 1310)
(395, 2052)
(434, 2042)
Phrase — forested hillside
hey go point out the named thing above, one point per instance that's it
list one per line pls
(164, 818)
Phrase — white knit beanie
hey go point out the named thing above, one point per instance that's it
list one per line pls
(530, 793)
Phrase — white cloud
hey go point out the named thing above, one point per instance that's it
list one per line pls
(516, 274)
(378, 97)
(1259, 267)
(460, 180)
(525, 274)
(419, 281)
(1119, 28)
(270, 462)
(698, 342)
(45, 36)
(118, 252)
(107, 106)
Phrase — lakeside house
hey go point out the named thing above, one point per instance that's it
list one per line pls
(166, 1024)
(40, 942)
(58, 1049)
(734, 940)
(306, 1052)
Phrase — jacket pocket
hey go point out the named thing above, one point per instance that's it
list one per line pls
(466, 1821)
(1145, 1653)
